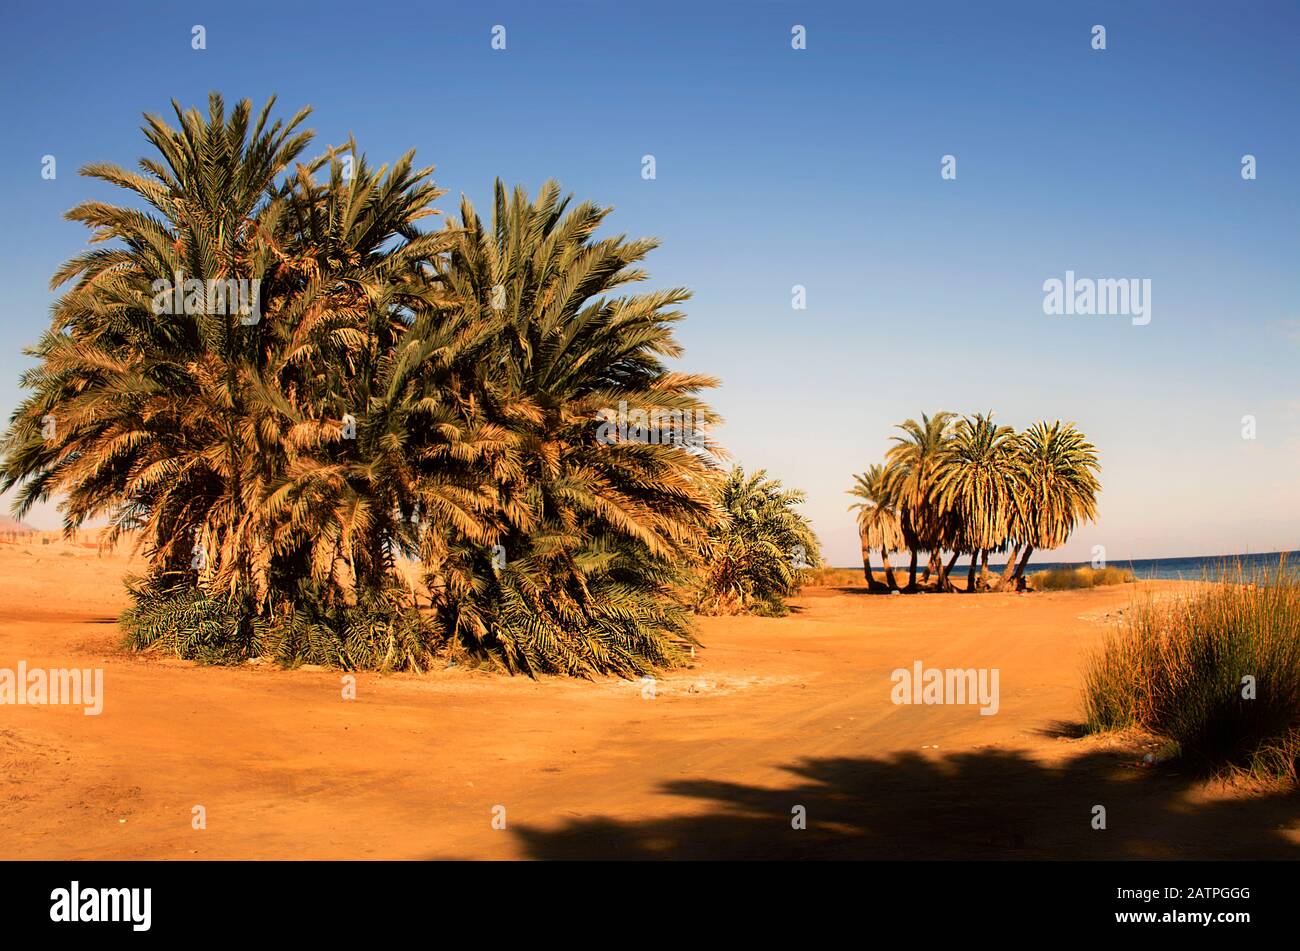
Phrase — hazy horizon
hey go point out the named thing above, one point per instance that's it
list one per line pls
(819, 167)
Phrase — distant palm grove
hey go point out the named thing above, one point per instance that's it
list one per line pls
(341, 439)
(969, 486)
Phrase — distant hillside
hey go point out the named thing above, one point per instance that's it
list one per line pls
(8, 524)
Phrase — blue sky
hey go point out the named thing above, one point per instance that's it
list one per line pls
(817, 167)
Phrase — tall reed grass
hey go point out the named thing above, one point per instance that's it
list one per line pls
(1218, 672)
(1062, 579)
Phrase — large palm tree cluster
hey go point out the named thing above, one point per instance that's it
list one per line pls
(397, 397)
(969, 486)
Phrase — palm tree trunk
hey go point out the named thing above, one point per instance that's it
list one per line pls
(911, 573)
(945, 583)
(981, 575)
(1020, 572)
(935, 567)
(890, 583)
(872, 585)
(970, 575)
(1009, 570)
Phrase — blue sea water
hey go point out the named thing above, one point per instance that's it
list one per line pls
(1186, 569)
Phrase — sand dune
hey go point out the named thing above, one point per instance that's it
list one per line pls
(776, 713)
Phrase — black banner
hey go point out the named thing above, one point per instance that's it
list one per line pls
(974, 899)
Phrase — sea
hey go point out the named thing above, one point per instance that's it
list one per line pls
(1185, 569)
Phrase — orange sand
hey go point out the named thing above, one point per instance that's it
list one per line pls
(776, 713)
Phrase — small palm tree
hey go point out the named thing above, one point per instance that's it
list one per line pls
(978, 478)
(1058, 490)
(913, 462)
(756, 555)
(878, 522)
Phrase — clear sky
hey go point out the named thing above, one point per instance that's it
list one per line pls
(819, 167)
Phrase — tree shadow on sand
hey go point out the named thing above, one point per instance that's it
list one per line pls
(990, 804)
(884, 592)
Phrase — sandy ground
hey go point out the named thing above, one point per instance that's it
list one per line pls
(776, 714)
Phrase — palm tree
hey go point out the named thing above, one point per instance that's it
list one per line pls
(149, 407)
(878, 522)
(259, 454)
(952, 537)
(400, 393)
(597, 532)
(913, 461)
(755, 556)
(977, 482)
(1058, 490)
